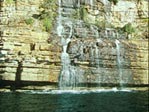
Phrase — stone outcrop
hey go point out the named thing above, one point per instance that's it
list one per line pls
(29, 53)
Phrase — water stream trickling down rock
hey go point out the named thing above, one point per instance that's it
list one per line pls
(73, 43)
(71, 75)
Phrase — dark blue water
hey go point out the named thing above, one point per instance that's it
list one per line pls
(120, 101)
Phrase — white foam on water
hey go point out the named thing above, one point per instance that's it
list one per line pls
(78, 91)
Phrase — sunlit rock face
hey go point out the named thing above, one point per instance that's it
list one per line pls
(105, 62)
(98, 53)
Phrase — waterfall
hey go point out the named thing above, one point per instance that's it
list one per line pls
(74, 66)
(119, 64)
(91, 4)
(91, 56)
(70, 75)
(94, 29)
(98, 63)
(60, 26)
(78, 10)
(97, 56)
(65, 75)
(78, 3)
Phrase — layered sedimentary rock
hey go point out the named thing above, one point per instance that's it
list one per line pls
(103, 62)
(27, 44)
(29, 53)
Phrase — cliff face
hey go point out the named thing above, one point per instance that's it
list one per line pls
(26, 42)
(29, 52)
(106, 61)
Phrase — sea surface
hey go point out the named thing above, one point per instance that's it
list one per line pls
(75, 101)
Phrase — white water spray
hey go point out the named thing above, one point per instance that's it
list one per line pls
(70, 75)
(119, 64)
(60, 26)
(91, 4)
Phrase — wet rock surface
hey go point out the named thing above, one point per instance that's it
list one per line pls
(32, 54)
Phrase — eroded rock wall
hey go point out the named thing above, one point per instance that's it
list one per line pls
(28, 51)
(102, 62)
(26, 43)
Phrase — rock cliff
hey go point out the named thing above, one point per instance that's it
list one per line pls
(30, 49)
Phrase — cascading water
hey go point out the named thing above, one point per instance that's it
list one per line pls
(97, 63)
(97, 56)
(70, 75)
(119, 64)
(94, 29)
(73, 71)
(91, 4)
(65, 75)
(59, 27)
(91, 55)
